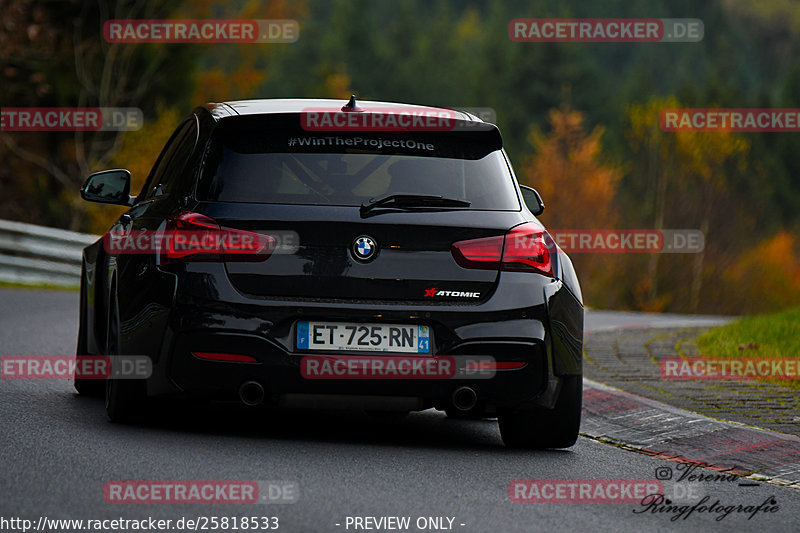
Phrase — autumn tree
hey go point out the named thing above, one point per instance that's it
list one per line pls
(569, 171)
(687, 177)
(235, 71)
(706, 160)
(765, 277)
(653, 149)
(577, 185)
(53, 54)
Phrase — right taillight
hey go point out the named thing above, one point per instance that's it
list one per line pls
(526, 248)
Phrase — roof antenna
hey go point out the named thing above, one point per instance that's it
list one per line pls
(351, 105)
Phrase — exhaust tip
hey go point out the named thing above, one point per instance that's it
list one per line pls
(464, 398)
(251, 393)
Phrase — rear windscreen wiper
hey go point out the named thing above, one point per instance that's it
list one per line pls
(407, 200)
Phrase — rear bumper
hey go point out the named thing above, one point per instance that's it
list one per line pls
(513, 326)
(280, 372)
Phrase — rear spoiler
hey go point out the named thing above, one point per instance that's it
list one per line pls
(434, 123)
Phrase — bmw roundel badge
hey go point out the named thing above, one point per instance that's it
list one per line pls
(364, 248)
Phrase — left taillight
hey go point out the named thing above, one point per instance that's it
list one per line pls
(526, 248)
(194, 237)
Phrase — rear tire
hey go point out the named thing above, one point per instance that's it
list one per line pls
(125, 398)
(85, 387)
(542, 428)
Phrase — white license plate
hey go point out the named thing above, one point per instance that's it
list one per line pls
(401, 338)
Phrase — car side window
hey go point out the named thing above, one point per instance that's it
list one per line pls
(172, 161)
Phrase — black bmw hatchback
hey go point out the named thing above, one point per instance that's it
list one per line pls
(306, 253)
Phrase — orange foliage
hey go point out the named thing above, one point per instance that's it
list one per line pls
(578, 188)
(220, 84)
(765, 277)
(642, 298)
(337, 85)
(567, 170)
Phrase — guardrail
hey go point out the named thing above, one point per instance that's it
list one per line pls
(34, 255)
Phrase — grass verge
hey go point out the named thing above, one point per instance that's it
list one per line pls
(9, 285)
(775, 335)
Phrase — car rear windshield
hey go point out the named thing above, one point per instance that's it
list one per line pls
(349, 169)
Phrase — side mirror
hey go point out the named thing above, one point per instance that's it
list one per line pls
(108, 187)
(532, 200)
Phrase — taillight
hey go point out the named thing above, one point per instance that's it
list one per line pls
(484, 253)
(525, 248)
(226, 357)
(195, 237)
(529, 248)
(487, 365)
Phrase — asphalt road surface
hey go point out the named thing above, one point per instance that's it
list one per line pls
(58, 452)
